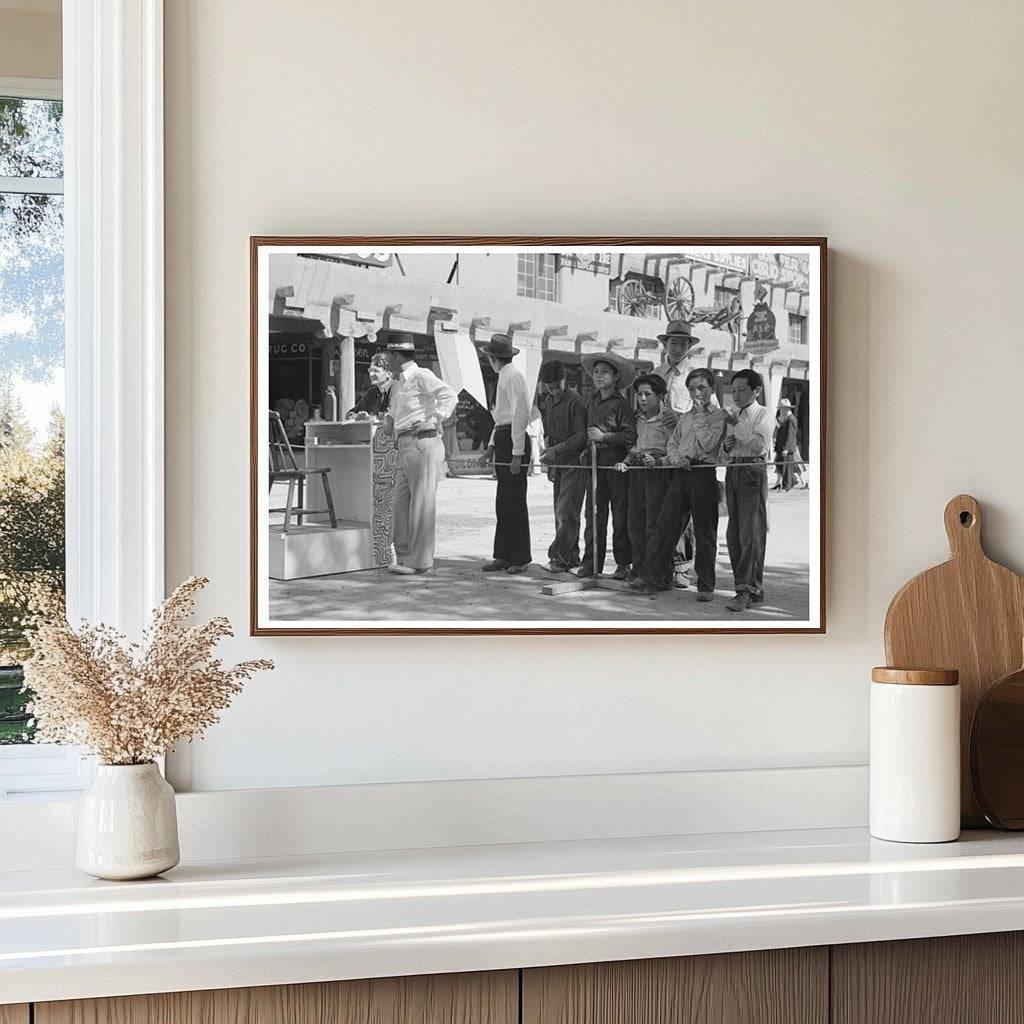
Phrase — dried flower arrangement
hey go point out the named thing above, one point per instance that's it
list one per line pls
(130, 703)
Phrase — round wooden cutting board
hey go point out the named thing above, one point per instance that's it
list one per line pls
(967, 614)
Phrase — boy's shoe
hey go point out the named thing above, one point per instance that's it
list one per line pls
(705, 595)
(638, 583)
(740, 603)
(402, 570)
(680, 580)
(554, 567)
(622, 572)
(494, 565)
(757, 598)
(515, 570)
(585, 571)
(633, 574)
(645, 589)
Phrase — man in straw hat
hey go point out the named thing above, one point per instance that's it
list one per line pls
(510, 449)
(678, 341)
(611, 426)
(419, 402)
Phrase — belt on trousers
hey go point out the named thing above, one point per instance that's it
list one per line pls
(417, 433)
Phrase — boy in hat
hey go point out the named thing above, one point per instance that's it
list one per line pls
(419, 402)
(611, 426)
(510, 449)
(564, 416)
(748, 440)
(647, 483)
(678, 340)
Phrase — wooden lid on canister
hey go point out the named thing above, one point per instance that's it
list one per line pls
(916, 676)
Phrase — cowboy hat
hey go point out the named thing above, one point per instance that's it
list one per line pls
(500, 345)
(396, 341)
(625, 369)
(680, 330)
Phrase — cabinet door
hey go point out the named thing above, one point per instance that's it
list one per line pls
(481, 998)
(14, 1013)
(778, 986)
(961, 979)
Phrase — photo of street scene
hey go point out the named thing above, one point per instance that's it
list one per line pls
(476, 436)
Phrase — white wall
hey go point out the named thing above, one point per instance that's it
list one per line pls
(30, 41)
(895, 129)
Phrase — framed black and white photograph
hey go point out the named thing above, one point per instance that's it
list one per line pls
(539, 435)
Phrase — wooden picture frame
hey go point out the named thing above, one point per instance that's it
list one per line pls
(313, 305)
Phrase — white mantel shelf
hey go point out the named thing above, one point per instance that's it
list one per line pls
(351, 915)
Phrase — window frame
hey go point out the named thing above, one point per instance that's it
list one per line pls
(112, 90)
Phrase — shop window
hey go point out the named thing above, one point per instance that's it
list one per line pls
(723, 296)
(535, 276)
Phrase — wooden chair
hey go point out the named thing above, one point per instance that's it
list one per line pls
(284, 467)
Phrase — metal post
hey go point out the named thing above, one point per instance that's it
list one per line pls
(593, 508)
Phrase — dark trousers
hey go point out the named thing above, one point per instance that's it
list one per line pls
(746, 496)
(512, 517)
(691, 495)
(647, 489)
(613, 495)
(570, 491)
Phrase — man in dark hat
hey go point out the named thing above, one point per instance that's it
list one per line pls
(510, 448)
(564, 416)
(419, 403)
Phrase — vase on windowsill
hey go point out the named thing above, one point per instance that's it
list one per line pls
(127, 823)
(128, 704)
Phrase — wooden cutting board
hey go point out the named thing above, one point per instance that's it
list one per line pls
(967, 614)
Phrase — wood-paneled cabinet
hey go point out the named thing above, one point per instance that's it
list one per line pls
(774, 986)
(962, 979)
(969, 979)
(481, 998)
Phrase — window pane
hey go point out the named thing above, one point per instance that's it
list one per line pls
(31, 140)
(31, 431)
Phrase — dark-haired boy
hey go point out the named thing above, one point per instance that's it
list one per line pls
(565, 436)
(747, 443)
(694, 448)
(611, 426)
(647, 482)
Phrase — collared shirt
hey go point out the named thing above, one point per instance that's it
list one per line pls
(698, 436)
(565, 425)
(753, 433)
(418, 396)
(512, 406)
(614, 415)
(674, 376)
(652, 434)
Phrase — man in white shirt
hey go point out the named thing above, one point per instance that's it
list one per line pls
(747, 442)
(419, 403)
(510, 449)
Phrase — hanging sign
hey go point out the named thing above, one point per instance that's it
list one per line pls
(761, 330)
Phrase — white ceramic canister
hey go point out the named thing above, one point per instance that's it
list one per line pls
(127, 825)
(915, 755)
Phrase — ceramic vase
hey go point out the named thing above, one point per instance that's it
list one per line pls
(127, 825)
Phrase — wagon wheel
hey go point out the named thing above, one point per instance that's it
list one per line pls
(679, 299)
(633, 298)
